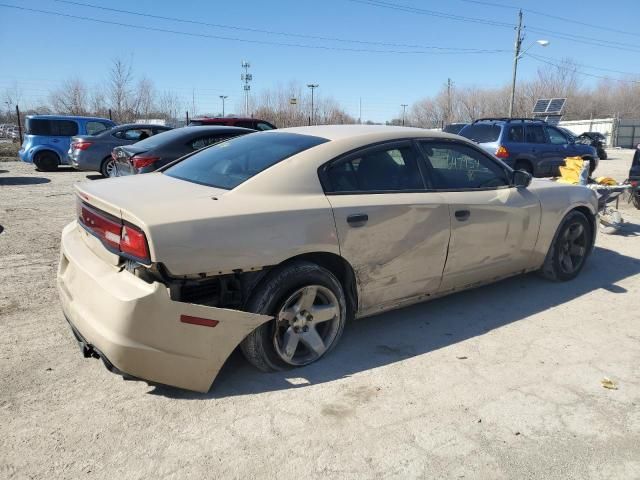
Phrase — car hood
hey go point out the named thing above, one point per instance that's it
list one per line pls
(152, 199)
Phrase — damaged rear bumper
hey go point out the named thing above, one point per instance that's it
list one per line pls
(135, 327)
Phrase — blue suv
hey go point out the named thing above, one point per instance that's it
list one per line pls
(528, 144)
(47, 137)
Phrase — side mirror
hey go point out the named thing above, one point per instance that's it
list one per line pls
(521, 179)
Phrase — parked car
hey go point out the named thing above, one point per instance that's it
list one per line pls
(93, 152)
(454, 128)
(272, 240)
(47, 137)
(528, 144)
(252, 123)
(634, 177)
(157, 151)
(597, 140)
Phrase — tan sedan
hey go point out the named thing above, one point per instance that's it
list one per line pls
(272, 240)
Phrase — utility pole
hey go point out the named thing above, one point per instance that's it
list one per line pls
(449, 83)
(193, 102)
(312, 86)
(223, 98)
(404, 109)
(360, 111)
(246, 77)
(516, 56)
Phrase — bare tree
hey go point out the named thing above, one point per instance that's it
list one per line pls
(169, 105)
(72, 98)
(143, 98)
(120, 88)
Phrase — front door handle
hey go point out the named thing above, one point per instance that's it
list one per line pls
(462, 215)
(357, 219)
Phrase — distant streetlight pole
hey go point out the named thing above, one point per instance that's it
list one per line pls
(246, 77)
(312, 86)
(517, 55)
(404, 109)
(223, 97)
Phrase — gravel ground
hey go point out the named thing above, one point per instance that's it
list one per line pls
(500, 382)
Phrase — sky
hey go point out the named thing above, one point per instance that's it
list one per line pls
(378, 52)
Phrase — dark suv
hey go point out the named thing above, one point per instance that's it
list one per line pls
(528, 144)
(252, 123)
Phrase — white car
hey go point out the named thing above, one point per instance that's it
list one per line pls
(272, 240)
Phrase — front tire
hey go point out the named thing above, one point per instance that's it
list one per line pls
(569, 249)
(46, 161)
(309, 309)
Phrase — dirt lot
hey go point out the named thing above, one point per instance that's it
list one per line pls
(500, 382)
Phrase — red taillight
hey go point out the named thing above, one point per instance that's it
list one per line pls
(634, 183)
(141, 161)
(502, 152)
(133, 242)
(81, 145)
(113, 233)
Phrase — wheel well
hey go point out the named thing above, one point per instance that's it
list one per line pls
(339, 267)
(523, 160)
(46, 150)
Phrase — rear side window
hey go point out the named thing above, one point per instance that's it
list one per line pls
(228, 164)
(481, 132)
(380, 170)
(53, 128)
(94, 128)
(515, 134)
(535, 134)
(202, 142)
(264, 126)
(244, 124)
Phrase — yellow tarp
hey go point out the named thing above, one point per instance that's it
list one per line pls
(570, 173)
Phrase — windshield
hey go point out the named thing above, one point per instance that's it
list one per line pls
(228, 164)
(481, 132)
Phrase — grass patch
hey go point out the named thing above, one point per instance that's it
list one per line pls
(9, 151)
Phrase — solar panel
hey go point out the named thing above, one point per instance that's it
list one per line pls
(541, 105)
(555, 105)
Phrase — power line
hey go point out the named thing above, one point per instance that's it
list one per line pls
(563, 35)
(590, 66)
(569, 68)
(269, 32)
(555, 17)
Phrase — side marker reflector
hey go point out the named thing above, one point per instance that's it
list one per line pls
(205, 322)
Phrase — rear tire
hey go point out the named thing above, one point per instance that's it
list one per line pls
(294, 294)
(46, 161)
(107, 168)
(570, 248)
(525, 166)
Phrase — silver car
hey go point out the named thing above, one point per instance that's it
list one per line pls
(93, 152)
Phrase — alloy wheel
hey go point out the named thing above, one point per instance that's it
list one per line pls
(573, 248)
(306, 325)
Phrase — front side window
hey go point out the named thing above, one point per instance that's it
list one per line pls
(556, 137)
(94, 128)
(228, 164)
(535, 134)
(379, 170)
(454, 166)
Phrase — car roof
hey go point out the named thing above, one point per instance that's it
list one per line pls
(226, 119)
(67, 117)
(141, 125)
(372, 132)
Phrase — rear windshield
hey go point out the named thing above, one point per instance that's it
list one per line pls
(481, 132)
(162, 138)
(228, 164)
(51, 128)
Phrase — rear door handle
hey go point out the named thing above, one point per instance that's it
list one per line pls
(357, 219)
(462, 215)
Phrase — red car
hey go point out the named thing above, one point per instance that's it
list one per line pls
(253, 123)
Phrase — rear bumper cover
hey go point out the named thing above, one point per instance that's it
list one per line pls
(135, 327)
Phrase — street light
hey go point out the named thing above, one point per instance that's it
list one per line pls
(517, 55)
(312, 86)
(223, 97)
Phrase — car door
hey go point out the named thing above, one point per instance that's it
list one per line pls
(494, 226)
(391, 230)
(536, 146)
(559, 148)
(62, 131)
